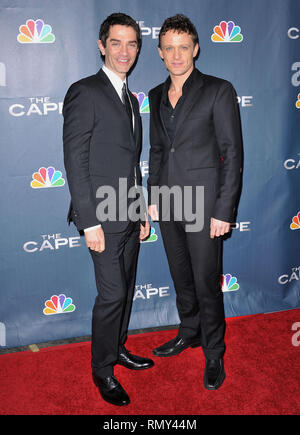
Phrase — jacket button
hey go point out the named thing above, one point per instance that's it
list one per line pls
(172, 150)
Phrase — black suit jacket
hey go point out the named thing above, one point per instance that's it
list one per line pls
(99, 147)
(207, 147)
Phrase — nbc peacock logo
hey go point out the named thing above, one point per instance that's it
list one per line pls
(143, 102)
(58, 305)
(227, 31)
(152, 238)
(295, 224)
(47, 177)
(298, 102)
(229, 283)
(35, 32)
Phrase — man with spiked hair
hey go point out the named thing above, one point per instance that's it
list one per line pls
(195, 140)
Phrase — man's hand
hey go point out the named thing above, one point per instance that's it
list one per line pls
(144, 230)
(153, 213)
(95, 239)
(218, 228)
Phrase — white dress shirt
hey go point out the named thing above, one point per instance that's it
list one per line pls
(117, 83)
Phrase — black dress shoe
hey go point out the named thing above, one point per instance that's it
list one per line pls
(176, 346)
(111, 390)
(214, 374)
(133, 362)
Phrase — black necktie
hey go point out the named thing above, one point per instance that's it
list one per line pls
(126, 102)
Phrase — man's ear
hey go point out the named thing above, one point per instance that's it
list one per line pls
(196, 49)
(160, 53)
(101, 47)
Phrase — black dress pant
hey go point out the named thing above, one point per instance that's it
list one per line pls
(115, 273)
(195, 266)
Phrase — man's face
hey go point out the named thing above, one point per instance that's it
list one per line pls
(178, 51)
(121, 49)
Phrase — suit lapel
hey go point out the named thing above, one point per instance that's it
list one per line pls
(112, 92)
(191, 98)
(160, 103)
(136, 114)
(114, 97)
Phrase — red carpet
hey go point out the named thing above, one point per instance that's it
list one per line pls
(261, 362)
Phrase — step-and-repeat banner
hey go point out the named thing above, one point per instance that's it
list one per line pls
(47, 279)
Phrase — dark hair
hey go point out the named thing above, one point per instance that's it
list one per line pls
(181, 24)
(123, 20)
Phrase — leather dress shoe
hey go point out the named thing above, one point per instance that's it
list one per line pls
(176, 346)
(133, 362)
(214, 374)
(111, 390)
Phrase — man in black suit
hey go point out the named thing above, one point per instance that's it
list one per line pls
(102, 144)
(195, 141)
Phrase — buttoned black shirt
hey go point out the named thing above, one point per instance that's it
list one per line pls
(170, 115)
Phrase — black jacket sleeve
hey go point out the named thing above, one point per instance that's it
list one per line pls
(155, 154)
(78, 113)
(229, 140)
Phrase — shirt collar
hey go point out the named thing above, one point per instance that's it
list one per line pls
(116, 81)
(187, 84)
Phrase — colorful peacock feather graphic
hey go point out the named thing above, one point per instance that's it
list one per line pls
(298, 102)
(58, 305)
(227, 32)
(295, 225)
(47, 177)
(35, 32)
(229, 283)
(152, 238)
(143, 102)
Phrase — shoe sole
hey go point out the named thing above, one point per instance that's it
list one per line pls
(135, 368)
(219, 384)
(114, 403)
(197, 344)
(111, 401)
(107, 400)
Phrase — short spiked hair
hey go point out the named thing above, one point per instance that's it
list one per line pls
(181, 24)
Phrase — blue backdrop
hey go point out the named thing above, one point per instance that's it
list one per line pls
(47, 280)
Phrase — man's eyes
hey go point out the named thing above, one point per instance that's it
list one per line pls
(130, 45)
(182, 47)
